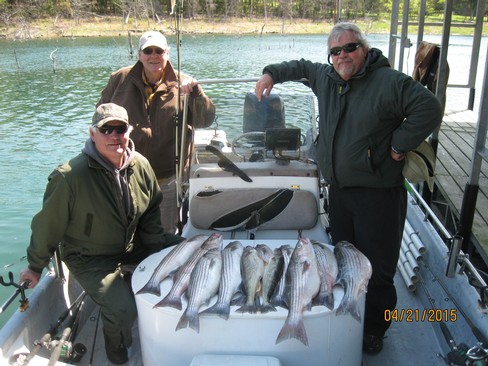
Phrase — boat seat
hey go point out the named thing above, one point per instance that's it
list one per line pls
(256, 208)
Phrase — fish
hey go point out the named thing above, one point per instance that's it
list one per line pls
(181, 279)
(303, 284)
(354, 273)
(328, 270)
(252, 270)
(264, 252)
(204, 284)
(171, 262)
(278, 298)
(273, 271)
(230, 280)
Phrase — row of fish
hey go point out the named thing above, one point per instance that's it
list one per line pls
(259, 279)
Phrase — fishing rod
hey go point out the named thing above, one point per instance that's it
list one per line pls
(63, 347)
(47, 337)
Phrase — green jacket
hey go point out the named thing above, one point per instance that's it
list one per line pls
(360, 120)
(154, 124)
(83, 211)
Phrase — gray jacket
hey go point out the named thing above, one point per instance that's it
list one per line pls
(361, 119)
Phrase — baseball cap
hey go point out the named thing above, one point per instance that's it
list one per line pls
(153, 38)
(109, 112)
(420, 164)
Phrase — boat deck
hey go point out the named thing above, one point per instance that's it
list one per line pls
(456, 142)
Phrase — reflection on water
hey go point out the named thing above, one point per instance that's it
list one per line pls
(44, 115)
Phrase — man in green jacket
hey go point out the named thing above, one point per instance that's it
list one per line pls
(101, 209)
(149, 92)
(370, 116)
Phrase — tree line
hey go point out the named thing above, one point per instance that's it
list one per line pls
(315, 10)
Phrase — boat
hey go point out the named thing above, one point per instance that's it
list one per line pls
(263, 187)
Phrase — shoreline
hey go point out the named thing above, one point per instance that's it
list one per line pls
(112, 26)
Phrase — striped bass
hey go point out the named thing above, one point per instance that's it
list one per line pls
(278, 298)
(181, 279)
(230, 280)
(328, 270)
(252, 270)
(354, 274)
(171, 262)
(273, 272)
(204, 283)
(303, 284)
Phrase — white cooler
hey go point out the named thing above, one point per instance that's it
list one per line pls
(332, 340)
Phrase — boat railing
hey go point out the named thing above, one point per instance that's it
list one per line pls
(453, 242)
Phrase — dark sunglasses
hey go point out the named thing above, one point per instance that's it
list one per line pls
(107, 130)
(148, 51)
(348, 48)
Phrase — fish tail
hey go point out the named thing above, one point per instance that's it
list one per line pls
(194, 322)
(183, 322)
(266, 308)
(325, 300)
(329, 301)
(279, 302)
(293, 329)
(220, 309)
(171, 301)
(349, 307)
(247, 309)
(150, 288)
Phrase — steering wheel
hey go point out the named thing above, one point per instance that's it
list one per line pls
(249, 144)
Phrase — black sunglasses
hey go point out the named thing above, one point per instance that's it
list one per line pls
(107, 130)
(348, 48)
(148, 51)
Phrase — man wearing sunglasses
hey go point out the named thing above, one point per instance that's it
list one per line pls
(149, 91)
(370, 116)
(101, 209)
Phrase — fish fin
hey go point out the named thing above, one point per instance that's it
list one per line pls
(171, 301)
(238, 300)
(306, 266)
(325, 299)
(149, 288)
(266, 308)
(349, 307)
(183, 322)
(220, 309)
(293, 329)
(194, 322)
(252, 309)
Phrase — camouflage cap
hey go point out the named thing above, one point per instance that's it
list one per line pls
(109, 112)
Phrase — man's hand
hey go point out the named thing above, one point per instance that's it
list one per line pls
(30, 276)
(264, 85)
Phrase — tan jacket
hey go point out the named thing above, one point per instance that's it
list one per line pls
(154, 132)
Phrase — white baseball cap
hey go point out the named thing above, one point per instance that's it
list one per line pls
(153, 38)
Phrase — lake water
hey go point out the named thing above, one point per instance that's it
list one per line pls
(44, 115)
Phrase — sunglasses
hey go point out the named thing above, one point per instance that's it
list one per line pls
(107, 130)
(149, 51)
(348, 48)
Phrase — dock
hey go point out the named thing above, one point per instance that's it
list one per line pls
(454, 155)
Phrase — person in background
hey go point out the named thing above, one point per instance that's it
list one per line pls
(370, 116)
(101, 209)
(149, 92)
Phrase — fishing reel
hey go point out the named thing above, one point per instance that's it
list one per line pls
(464, 356)
(69, 351)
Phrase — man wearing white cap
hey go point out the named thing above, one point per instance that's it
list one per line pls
(101, 209)
(149, 92)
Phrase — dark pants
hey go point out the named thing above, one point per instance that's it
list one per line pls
(100, 277)
(372, 219)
